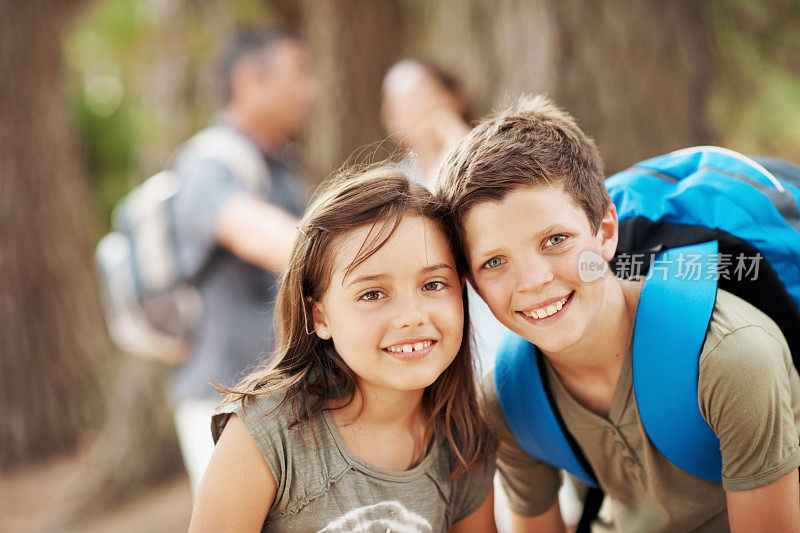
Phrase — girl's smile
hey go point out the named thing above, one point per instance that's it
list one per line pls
(410, 349)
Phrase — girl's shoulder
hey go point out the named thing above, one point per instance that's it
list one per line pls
(265, 410)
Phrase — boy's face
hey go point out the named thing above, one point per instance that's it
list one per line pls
(524, 254)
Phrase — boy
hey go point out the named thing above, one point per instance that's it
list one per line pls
(527, 196)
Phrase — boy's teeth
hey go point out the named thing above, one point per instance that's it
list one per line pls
(549, 310)
(407, 348)
(418, 346)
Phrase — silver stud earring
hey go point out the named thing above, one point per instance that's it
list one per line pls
(323, 334)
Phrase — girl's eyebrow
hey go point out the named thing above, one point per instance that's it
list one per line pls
(368, 277)
(439, 266)
(374, 277)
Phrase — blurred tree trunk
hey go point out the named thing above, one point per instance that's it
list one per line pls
(50, 323)
(179, 82)
(634, 74)
(352, 44)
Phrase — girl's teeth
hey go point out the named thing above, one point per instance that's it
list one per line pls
(408, 348)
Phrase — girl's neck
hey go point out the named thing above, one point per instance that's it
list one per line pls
(384, 428)
(381, 407)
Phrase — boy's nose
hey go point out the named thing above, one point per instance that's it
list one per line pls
(533, 274)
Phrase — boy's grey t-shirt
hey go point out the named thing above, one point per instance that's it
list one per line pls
(323, 487)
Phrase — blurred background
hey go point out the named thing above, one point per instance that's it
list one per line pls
(97, 94)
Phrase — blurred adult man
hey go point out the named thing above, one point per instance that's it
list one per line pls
(233, 236)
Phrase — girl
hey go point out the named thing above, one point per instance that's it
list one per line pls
(367, 419)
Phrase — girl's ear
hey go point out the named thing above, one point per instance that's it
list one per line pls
(608, 233)
(320, 324)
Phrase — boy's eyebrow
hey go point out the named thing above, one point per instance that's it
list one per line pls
(549, 230)
(552, 228)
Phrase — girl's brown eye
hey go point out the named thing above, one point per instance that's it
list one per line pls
(371, 296)
(434, 286)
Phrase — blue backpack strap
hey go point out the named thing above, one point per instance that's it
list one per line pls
(524, 400)
(671, 323)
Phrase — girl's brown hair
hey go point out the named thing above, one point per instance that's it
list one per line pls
(308, 368)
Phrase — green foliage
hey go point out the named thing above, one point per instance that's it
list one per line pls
(101, 60)
(754, 99)
(116, 89)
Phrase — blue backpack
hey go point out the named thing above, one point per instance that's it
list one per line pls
(736, 221)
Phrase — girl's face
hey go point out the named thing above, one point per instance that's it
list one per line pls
(396, 319)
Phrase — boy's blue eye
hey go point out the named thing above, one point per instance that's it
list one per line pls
(555, 240)
(494, 262)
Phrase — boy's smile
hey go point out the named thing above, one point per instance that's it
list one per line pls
(523, 252)
(550, 309)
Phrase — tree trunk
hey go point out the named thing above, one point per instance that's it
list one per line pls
(352, 44)
(633, 73)
(50, 323)
(179, 82)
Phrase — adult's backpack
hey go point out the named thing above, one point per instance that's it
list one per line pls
(150, 304)
(739, 218)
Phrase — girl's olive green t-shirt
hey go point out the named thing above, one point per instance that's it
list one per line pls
(323, 487)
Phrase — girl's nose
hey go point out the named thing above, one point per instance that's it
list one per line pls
(410, 313)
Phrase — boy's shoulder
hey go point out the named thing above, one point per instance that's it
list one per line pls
(740, 337)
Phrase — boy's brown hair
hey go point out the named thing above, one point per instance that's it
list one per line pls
(532, 143)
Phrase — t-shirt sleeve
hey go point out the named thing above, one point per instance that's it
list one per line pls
(745, 395)
(472, 489)
(205, 186)
(262, 423)
(531, 485)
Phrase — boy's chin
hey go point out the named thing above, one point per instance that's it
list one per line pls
(549, 344)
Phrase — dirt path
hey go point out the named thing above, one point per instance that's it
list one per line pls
(36, 498)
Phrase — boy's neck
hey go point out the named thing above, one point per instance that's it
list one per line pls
(590, 369)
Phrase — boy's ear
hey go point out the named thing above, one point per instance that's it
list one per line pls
(608, 233)
(320, 324)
